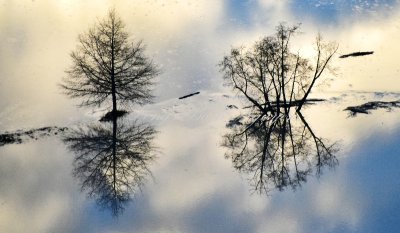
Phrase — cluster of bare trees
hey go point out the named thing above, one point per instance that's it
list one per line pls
(109, 69)
(274, 144)
(270, 76)
(111, 159)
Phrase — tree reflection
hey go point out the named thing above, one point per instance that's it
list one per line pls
(112, 160)
(278, 150)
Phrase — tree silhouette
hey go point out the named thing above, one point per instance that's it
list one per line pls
(278, 151)
(108, 68)
(112, 160)
(270, 76)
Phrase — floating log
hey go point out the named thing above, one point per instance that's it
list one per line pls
(294, 103)
(186, 96)
(357, 54)
(232, 106)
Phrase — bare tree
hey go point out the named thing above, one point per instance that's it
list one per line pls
(107, 67)
(270, 76)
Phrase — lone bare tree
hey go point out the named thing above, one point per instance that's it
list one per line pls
(108, 68)
(270, 76)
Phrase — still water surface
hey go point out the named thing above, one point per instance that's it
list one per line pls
(189, 184)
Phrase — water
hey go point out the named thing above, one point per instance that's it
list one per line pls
(190, 186)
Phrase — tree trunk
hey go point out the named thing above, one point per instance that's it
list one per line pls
(114, 97)
(113, 89)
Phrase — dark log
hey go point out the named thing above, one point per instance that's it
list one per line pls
(186, 96)
(294, 103)
(357, 54)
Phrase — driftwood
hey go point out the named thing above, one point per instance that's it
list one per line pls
(357, 54)
(186, 96)
(232, 106)
(294, 103)
(373, 105)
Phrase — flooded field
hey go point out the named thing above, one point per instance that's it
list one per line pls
(212, 152)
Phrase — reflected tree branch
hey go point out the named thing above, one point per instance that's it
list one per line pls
(279, 151)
